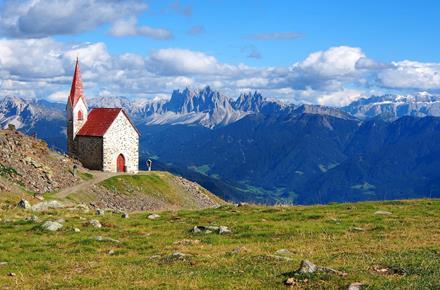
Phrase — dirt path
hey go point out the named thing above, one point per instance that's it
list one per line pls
(98, 176)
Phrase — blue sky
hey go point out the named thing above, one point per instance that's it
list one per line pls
(328, 52)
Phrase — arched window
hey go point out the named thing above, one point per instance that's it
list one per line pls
(80, 116)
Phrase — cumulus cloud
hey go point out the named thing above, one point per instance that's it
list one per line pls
(411, 75)
(37, 19)
(276, 36)
(336, 76)
(128, 27)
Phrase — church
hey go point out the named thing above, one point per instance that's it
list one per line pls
(102, 139)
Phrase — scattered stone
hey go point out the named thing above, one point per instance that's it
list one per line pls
(290, 282)
(308, 267)
(224, 230)
(355, 286)
(33, 219)
(51, 226)
(186, 242)
(106, 239)
(283, 252)
(382, 212)
(125, 215)
(12, 274)
(153, 216)
(100, 211)
(23, 203)
(180, 256)
(95, 224)
(45, 205)
(210, 229)
(76, 230)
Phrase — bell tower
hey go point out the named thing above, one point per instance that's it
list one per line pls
(76, 108)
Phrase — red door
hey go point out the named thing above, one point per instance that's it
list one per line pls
(120, 163)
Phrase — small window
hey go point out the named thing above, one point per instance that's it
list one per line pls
(80, 116)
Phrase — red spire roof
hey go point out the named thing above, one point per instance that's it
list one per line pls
(99, 120)
(76, 91)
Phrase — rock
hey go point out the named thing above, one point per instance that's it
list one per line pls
(3, 263)
(76, 230)
(45, 205)
(12, 274)
(357, 229)
(23, 203)
(100, 211)
(382, 212)
(242, 204)
(308, 267)
(125, 215)
(51, 226)
(95, 224)
(284, 258)
(283, 252)
(179, 255)
(61, 221)
(224, 230)
(208, 232)
(111, 252)
(355, 286)
(153, 216)
(33, 219)
(106, 239)
(82, 207)
(290, 282)
(154, 257)
(39, 197)
(196, 229)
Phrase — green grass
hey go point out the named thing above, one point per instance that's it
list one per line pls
(406, 243)
(156, 184)
(85, 175)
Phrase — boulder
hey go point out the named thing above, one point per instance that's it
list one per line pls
(51, 226)
(23, 203)
(224, 230)
(153, 216)
(95, 224)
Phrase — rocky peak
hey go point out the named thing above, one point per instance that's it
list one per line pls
(248, 102)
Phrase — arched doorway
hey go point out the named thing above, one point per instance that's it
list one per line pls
(120, 163)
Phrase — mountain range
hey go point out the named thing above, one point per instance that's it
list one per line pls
(259, 150)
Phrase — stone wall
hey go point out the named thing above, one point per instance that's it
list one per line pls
(89, 151)
(121, 138)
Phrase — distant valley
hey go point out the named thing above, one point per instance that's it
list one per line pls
(252, 149)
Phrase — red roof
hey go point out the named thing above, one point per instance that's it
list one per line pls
(76, 91)
(98, 121)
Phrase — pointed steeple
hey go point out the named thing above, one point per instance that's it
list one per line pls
(77, 90)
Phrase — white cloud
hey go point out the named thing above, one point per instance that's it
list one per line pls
(128, 27)
(59, 97)
(44, 67)
(411, 75)
(42, 18)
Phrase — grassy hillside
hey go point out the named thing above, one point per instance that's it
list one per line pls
(154, 190)
(400, 250)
